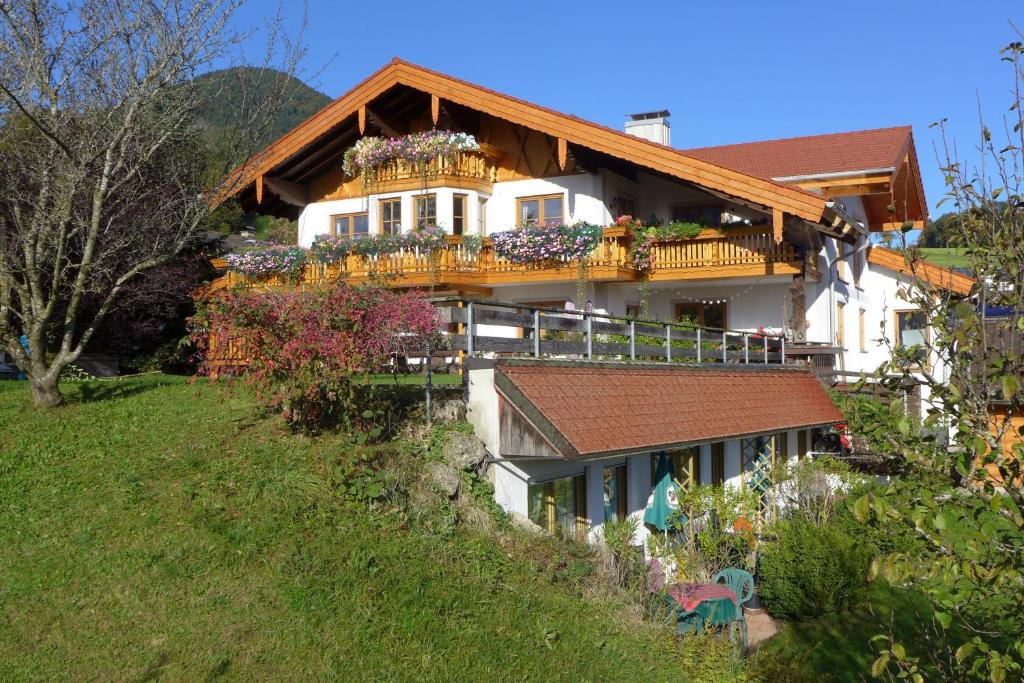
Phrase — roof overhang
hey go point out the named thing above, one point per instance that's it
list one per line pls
(685, 405)
(259, 174)
(935, 276)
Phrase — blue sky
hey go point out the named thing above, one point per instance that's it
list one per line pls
(728, 71)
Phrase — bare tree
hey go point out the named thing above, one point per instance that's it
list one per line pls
(105, 172)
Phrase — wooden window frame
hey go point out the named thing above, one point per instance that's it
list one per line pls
(416, 199)
(841, 324)
(456, 199)
(351, 223)
(618, 206)
(380, 215)
(579, 500)
(622, 486)
(539, 198)
(718, 463)
(862, 325)
(927, 334)
(701, 312)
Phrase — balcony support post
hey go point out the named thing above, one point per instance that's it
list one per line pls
(536, 333)
(469, 329)
(590, 336)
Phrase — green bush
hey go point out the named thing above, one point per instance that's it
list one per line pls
(812, 570)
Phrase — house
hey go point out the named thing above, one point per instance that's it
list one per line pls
(781, 245)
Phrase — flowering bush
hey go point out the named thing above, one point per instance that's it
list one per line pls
(427, 238)
(307, 346)
(287, 261)
(327, 249)
(536, 244)
(372, 152)
(645, 236)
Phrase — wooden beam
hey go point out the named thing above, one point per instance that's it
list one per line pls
(259, 189)
(362, 120)
(881, 227)
(295, 194)
(832, 191)
(563, 152)
(389, 128)
(871, 179)
(777, 223)
(435, 108)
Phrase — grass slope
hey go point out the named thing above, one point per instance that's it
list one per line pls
(159, 530)
(947, 257)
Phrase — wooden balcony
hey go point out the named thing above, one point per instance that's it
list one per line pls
(712, 255)
(474, 170)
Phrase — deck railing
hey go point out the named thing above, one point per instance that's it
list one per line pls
(515, 330)
(712, 254)
(480, 167)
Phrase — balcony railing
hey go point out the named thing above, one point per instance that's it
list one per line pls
(476, 169)
(711, 255)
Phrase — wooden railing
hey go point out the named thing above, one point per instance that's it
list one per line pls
(711, 255)
(478, 168)
(730, 252)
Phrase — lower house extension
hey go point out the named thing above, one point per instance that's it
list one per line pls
(573, 442)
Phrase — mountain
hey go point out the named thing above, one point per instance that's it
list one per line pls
(223, 92)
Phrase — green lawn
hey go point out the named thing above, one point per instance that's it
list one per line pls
(155, 529)
(947, 257)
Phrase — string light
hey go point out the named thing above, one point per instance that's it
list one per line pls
(715, 300)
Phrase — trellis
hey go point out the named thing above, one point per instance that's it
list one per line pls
(757, 463)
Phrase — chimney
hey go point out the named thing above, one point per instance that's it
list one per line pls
(651, 125)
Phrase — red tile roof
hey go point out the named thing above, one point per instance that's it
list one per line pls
(586, 409)
(813, 154)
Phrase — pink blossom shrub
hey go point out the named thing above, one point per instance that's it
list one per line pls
(308, 348)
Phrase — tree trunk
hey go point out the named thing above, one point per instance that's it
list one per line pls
(45, 392)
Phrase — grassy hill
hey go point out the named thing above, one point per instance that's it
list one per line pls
(947, 257)
(155, 529)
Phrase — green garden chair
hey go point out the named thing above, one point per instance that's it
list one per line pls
(741, 583)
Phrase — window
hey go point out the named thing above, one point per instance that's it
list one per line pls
(841, 270)
(391, 216)
(540, 210)
(425, 206)
(481, 216)
(633, 311)
(458, 214)
(782, 445)
(802, 445)
(614, 493)
(557, 506)
(625, 206)
(840, 324)
(718, 463)
(350, 224)
(710, 216)
(862, 329)
(685, 466)
(911, 332)
(705, 315)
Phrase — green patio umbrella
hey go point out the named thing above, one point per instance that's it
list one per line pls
(663, 501)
